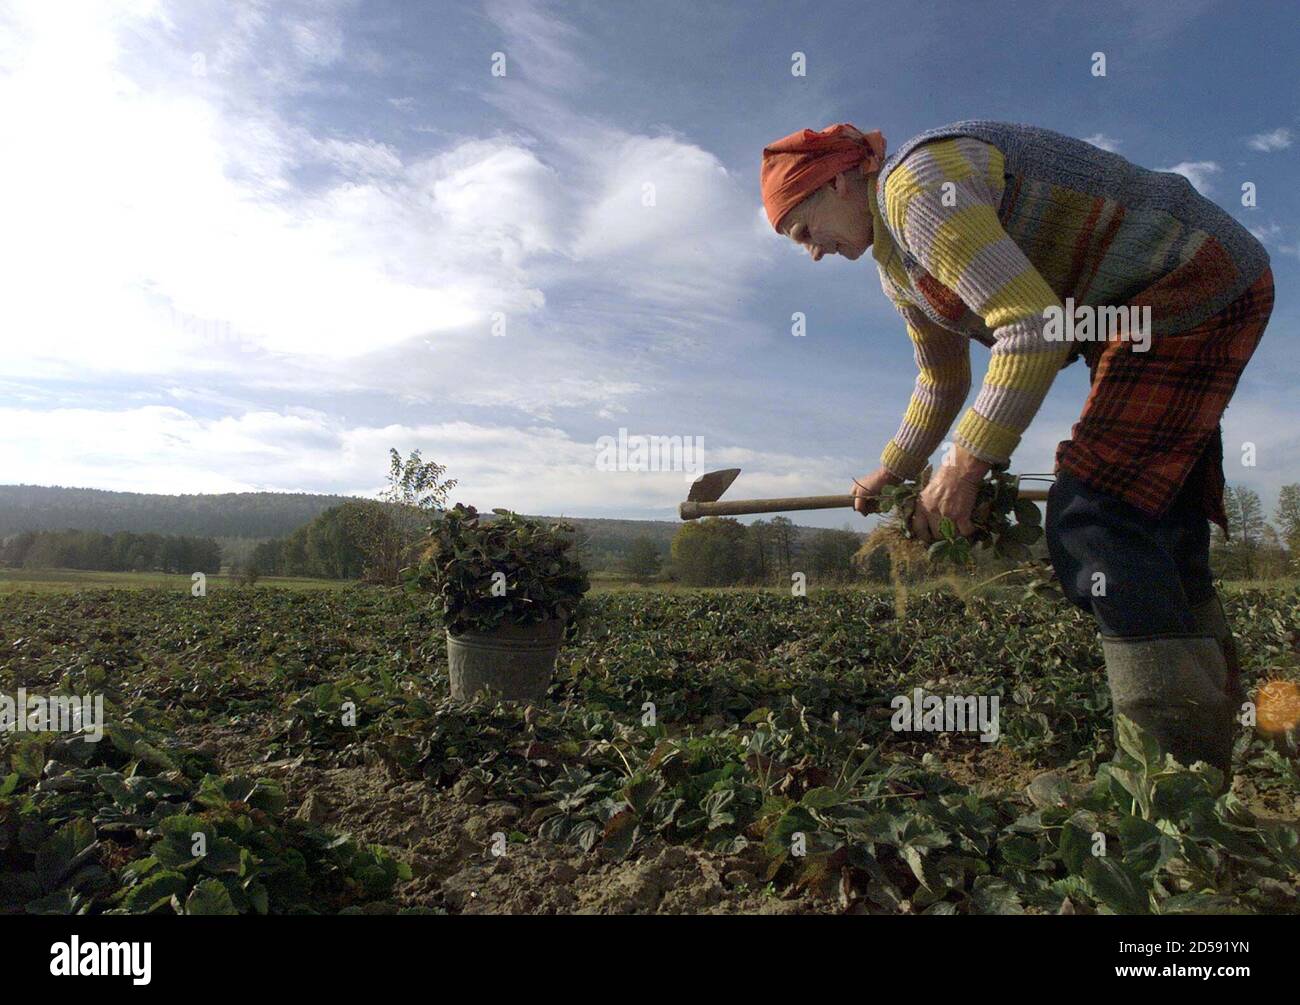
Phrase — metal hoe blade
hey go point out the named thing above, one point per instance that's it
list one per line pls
(710, 486)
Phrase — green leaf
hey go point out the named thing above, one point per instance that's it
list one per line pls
(821, 798)
(1131, 783)
(1019, 851)
(175, 850)
(112, 783)
(28, 757)
(59, 902)
(794, 821)
(640, 792)
(57, 854)
(1028, 513)
(209, 897)
(992, 895)
(620, 833)
(1076, 840)
(1172, 795)
(155, 891)
(1117, 886)
(1142, 843)
(1139, 744)
(152, 755)
(1023, 533)
(223, 856)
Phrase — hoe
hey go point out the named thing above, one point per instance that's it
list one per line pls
(702, 500)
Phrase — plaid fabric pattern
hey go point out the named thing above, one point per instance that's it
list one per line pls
(1151, 421)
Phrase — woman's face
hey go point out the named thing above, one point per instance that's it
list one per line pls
(834, 220)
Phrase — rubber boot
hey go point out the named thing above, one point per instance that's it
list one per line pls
(1211, 620)
(1173, 687)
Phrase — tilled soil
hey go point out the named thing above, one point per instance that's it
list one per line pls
(457, 845)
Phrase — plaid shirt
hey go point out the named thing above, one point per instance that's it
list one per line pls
(1152, 418)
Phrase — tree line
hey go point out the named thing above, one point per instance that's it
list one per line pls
(124, 551)
(725, 552)
(230, 514)
(1255, 548)
(362, 538)
(330, 547)
(373, 539)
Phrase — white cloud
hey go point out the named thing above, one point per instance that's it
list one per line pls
(534, 469)
(180, 206)
(1197, 172)
(668, 223)
(1103, 141)
(1266, 232)
(200, 248)
(1277, 139)
(538, 46)
(357, 158)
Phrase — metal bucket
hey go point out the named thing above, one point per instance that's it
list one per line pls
(515, 661)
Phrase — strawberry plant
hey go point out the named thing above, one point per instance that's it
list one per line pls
(481, 574)
(996, 503)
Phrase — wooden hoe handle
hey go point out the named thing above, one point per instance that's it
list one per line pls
(789, 504)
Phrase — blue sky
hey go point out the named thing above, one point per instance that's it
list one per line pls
(250, 246)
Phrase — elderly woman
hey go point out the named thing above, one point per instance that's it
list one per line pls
(987, 231)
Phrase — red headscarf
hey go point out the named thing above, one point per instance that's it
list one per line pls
(797, 165)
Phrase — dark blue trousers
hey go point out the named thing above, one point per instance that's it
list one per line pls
(1139, 576)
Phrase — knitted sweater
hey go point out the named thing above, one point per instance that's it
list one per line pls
(1031, 218)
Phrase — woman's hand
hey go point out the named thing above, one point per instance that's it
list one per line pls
(867, 489)
(950, 493)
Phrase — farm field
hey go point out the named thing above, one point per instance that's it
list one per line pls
(56, 580)
(700, 753)
(48, 580)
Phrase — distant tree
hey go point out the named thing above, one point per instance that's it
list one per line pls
(710, 552)
(237, 514)
(1271, 557)
(1246, 524)
(582, 548)
(332, 547)
(372, 530)
(831, 554)
(268, 558)
(643, 561)
(387, 534)
(1287, 515)
(783, 544)
(293, 553)
(15, 550)
(759, 543)
(122, 552)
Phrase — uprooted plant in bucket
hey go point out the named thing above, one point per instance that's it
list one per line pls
(506, 587)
